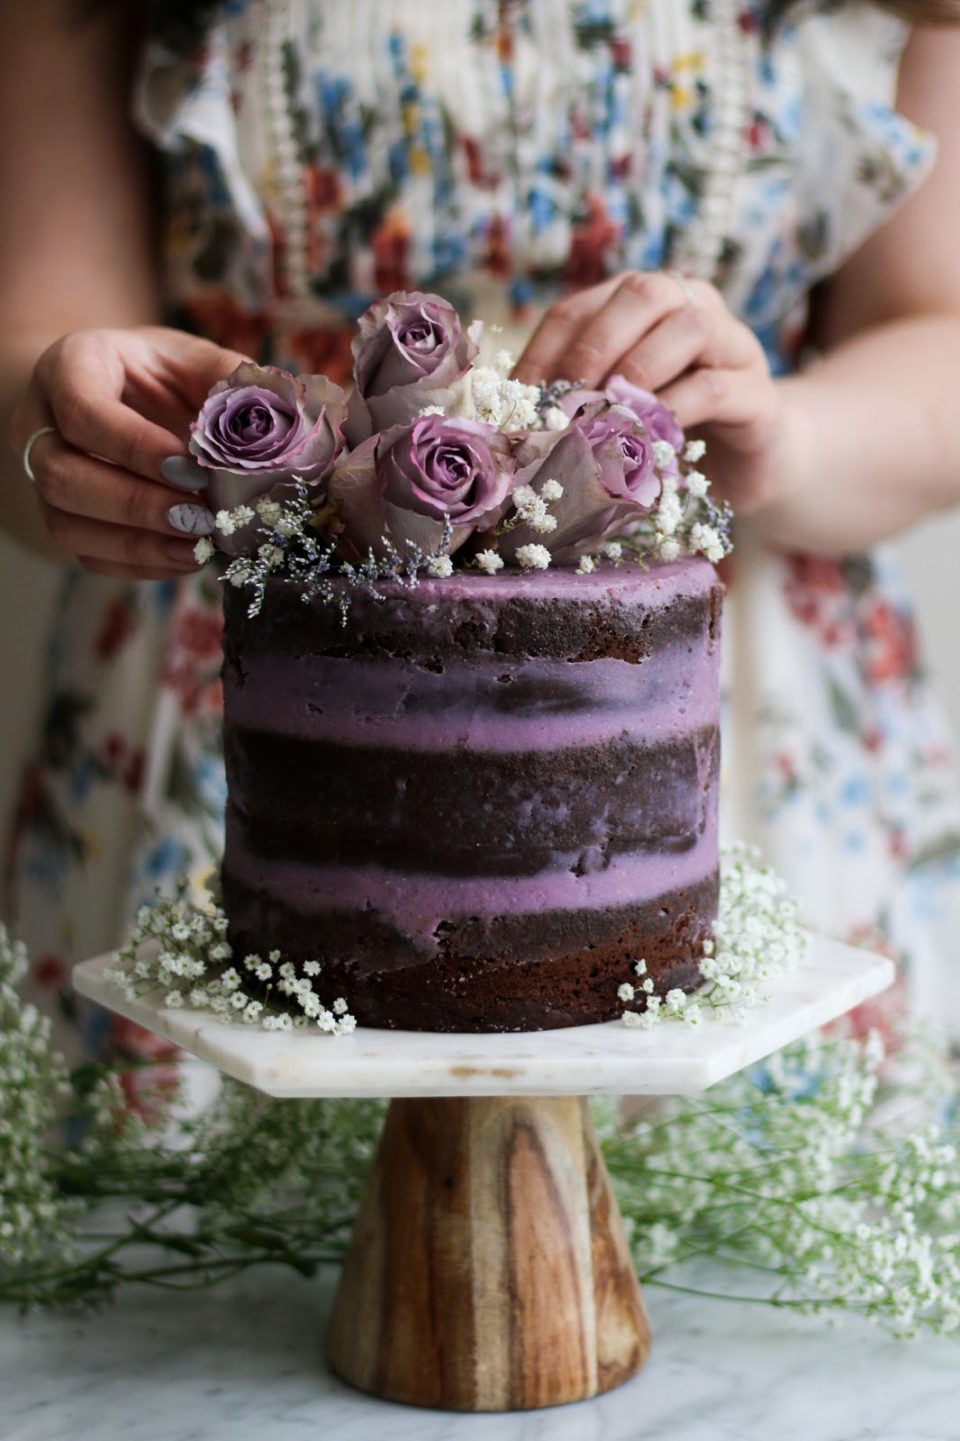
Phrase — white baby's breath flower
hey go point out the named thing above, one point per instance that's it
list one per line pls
(223, 521)
(697, 484)
(269, 511)
(173, 999)
(669, 549)
(551, 490)
(612, 550)
(533, 557)
(503, 362)
(311, 968)
(544, 524)
(340, 1007)
(706, 540)
(668, 515)
(664, 454)
(204, 550)
(526, 501)
(587, 565)
(694, 450)
(518, 405)
(440, 567)
(433, 410)
(555, 419)
(489, 561)
(270, 554)
(626, 992)
(636, 1020)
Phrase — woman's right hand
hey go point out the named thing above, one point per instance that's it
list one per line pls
(116, 488)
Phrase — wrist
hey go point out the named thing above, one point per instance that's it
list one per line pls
(797, 469)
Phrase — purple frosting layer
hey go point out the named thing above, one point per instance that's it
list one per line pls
(488, 703)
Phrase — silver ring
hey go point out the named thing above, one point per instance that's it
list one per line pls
(44, 430)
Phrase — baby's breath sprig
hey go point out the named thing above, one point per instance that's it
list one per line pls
(292, 548)
(179, 951)
(757, 938)
(780, 1187)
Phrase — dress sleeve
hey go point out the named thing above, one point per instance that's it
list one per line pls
(199, 110)
(859, 157)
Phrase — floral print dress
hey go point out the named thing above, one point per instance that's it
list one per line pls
(319, 152)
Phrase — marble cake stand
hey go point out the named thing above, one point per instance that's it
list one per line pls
(488, 1269)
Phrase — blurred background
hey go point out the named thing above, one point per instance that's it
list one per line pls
(27, 587)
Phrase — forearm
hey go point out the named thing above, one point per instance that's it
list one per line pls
(871, 439)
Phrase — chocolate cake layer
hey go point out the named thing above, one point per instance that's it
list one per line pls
(527, 810)
(505, 973)
(481, 799)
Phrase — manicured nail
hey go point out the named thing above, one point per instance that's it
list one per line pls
(191, 519)
(184, 473)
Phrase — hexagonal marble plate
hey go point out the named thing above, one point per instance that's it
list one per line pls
(669, 1059)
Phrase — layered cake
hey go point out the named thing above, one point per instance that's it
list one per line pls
(482, 800)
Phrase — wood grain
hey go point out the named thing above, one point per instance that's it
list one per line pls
(488, 1269)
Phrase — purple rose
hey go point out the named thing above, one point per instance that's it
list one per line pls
(410, 352)
(401, 484)
(259, 429)
(623, 450)
(604, 463)
(658, 418)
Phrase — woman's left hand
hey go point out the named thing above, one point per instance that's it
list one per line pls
(675, 336)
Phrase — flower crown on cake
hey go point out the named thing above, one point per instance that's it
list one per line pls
(438, 459)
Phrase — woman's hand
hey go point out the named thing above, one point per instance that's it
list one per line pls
(676, 337)
(116, 490)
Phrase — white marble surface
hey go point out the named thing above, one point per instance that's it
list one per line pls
(671, 1059)
(244, 1364)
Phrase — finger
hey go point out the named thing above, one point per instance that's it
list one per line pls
(118, 544)
(80, 392)
(184, 473)
(718, 397)
(693, 335)
(80, 485)
(557, 328)
(128, 572)
(174, 374)
(638, 303)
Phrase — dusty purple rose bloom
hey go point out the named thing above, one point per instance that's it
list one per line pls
(604, 462)
(410, 351)
(401, 484)
(623, 450)
(658, 418)
(264, 421)
(258, 429)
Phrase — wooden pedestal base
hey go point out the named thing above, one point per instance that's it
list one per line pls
(488, 1269)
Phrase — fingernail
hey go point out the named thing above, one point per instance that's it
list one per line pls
(181, 554)
(184, 473)
(191, 519)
